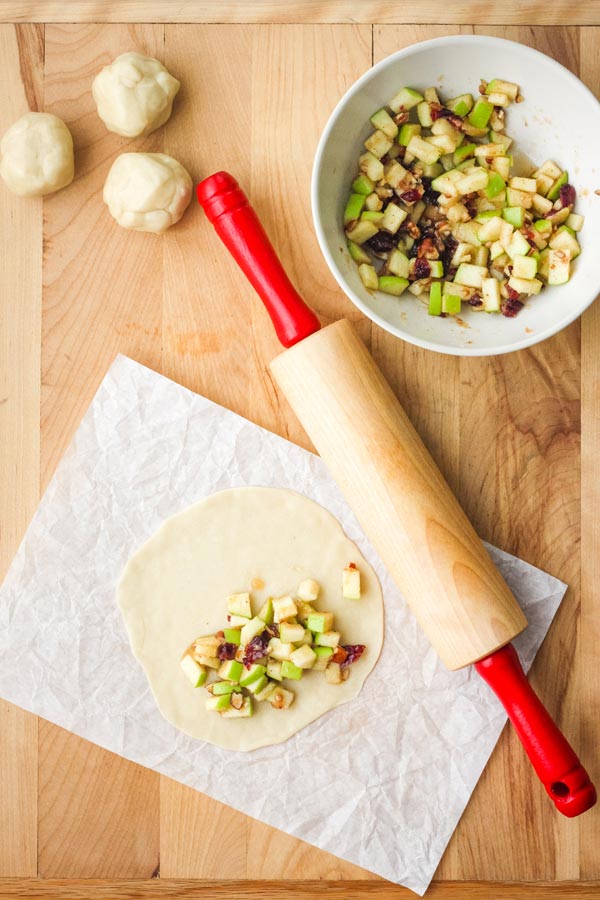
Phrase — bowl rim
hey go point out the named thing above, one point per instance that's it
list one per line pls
(513, 346)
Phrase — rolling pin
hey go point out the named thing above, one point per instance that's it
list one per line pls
(399, 495)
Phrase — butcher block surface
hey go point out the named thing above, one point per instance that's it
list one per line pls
(516, 436)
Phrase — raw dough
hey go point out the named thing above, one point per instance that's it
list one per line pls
(174, 589)
(134, 94)
(147, 191)
(37, 155)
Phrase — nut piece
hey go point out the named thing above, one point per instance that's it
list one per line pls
(134, 94)
(147, 191)
(37, 155)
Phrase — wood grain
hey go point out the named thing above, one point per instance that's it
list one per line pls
(171, 889)
(21, 51)
(494, 12)
(588, 662)
(102, 295)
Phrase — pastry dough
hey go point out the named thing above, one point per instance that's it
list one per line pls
(37, 155)
(175, 587)
(134, 94)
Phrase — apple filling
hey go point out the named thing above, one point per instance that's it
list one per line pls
(257, 654)
(437, 210)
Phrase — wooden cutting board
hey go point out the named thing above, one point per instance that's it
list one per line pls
(516, 436)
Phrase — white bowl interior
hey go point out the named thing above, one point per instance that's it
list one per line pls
(559, 120)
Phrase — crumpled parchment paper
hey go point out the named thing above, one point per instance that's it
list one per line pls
(392, 770)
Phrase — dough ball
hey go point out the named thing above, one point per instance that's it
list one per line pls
(37, 155)
(147, 191)
(134, 94)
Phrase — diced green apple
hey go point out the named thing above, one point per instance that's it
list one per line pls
(266, 611)
(481, 256)
(461, 105)
(254, 627)
(359, 232)
(470, 275)
(543, 227)
(499, 99)
(369, 277)
(550, 169)
(495, 185)
(274, 669)
(371, 216)
(407, 132)
(218, 702)
(423, 150)
(232, 635)
(490, 294)
(490, 230)
(309, 590)
(524, 267)
(445, 145)
(304, 610)
(473, 181)
(373, 202)
(524, 285)
(327, 639)
(431, 95)
(406, 98)
(451, 304)
(436, 267)
(236, 621)
(519, 246)
(323, 655)
(223, 687)
(497, 138)
(384, 122)
(559, 265)
(504, 87)
(481, 112)
(575, 222)
(207, 645)
(320, 621)
(291, 633)
(501, 165)
(565, 239)
(289, 670)
(363, 185)
(394, 173)
(280, 698)
(245, 711)
(393, 218)
(239, 604)
(279, 650)
(231, 670)
(333, 673)
(351, 582)
(398, 264)
(554, 191)
(304, 657)
(424, 114)
(514, 215)
(489, 151)
(211, 662)
(354, 207)
(435, 299)
(283, 608)
(256, 687)
(392, 284)
(463, 153)
(371, 166)
(194, 671)
(252, 674)
(378, 144)
(541, 205)
(559, 217)
(523, 184)
(496, 250)
(463, 253)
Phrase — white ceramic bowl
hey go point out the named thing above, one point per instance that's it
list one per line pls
(559, 120)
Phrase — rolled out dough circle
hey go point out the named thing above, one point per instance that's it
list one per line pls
(174, 589)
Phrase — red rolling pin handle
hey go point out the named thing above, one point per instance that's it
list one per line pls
(239, 228)
(236, 223)
(566, 781)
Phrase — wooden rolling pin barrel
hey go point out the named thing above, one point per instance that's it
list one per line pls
(398, 494)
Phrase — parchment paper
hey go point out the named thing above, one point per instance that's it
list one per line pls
(392, 770)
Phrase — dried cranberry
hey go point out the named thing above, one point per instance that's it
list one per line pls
(510, 308)
(512, 294)
(382, 242)
(475, 301)
(567, 195)
(227, 651)
(422, 268)
(411, 196)
(257, 648)
(431, 196)
(354, 651)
